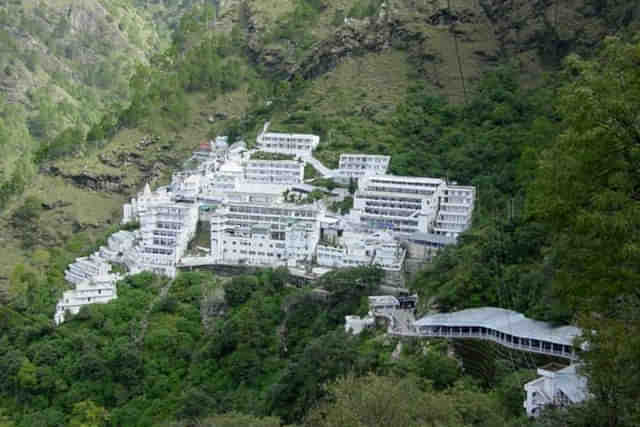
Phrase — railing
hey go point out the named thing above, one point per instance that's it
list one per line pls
(540, 349)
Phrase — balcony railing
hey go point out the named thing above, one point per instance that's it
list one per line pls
(542, 347)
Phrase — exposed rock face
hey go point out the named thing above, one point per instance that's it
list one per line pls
(451, 41)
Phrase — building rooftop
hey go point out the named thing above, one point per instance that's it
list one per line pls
(506, 321)
(383, 300)
(431, 237)
(263, 188)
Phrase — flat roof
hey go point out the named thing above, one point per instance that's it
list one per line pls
(383, 299)
(297, 135)
(365, 155)
(408, 178)
(259, 188)
(506, 321)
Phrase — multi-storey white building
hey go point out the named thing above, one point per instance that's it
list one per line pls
(355, 249)
(99, 289)
(455, 209)
(397, 203)
(94, 283)
(300, 145)
(410, 205)
(165, 230)
(274, 171)
(360, 165)
(261, 243)
(253, 245)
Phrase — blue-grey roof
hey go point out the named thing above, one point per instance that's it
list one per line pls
(506, 321)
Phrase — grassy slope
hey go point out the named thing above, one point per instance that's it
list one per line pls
(95, 210)
(350, 101)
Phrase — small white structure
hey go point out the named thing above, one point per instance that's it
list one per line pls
(300, 145)
(556, 386)
(98, 289)
(94, 283)
(357, 324)
(382, 303)
(85, 268)
(274, 171)
(360, 165)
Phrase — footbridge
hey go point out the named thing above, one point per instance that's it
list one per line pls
(504, 327)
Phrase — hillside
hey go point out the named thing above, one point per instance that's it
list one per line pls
(488, 93)
(64, 63)
(356, 58)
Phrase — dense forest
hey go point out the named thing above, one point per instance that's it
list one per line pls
(555, 236)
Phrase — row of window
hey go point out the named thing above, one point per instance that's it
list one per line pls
(275, 165)
(412, 183)
(501, 336)
(285, 138)
(426, 192)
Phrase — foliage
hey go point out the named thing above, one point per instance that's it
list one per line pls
(587, 185)
(386, 401)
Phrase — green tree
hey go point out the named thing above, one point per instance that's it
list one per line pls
(27, 375)
(382, 402)
(88, 414)
(239, 289)
(588, 192)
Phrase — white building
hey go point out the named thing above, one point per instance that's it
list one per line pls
(264, 244)
(455, 209)
(274, 171)
(360, 165)
(398, 203)
(252, 245)
(99, 289)
(555, 386)
(381, 303)
(94, 283)
(410, 205)
(300, 145)
(165, 231)
(357, 324)
(131, 211)
(354, 249)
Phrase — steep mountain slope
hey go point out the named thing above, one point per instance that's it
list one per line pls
(63, 63)
(348, 64)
